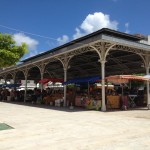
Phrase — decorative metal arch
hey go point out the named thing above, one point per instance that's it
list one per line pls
(79, 51)
(9, 74)
(19, 70)
(2, 77)
(33, 65)
(64, 59)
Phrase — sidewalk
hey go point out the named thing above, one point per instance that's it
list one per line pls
(50, 129)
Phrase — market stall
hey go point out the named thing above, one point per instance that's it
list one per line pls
(113, 101)
(53, 96)
(85, 96)
(126, 99)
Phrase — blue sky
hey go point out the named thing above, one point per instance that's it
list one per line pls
(46, 24)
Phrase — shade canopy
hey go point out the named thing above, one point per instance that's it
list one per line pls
(125, 78)
(46, 80)
(10, 85)
(83, 80)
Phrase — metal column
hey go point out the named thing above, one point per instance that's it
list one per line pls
(65, 86)
(42, 68)
(25, 92)
(42, 79)
(148, 95)
(103, 85)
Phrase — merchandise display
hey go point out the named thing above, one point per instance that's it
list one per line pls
(113, 101)
(88, 101)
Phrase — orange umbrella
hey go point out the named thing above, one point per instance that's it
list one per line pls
(125, 78)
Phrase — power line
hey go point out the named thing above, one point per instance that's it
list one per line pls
(10, 28)
(42, 36)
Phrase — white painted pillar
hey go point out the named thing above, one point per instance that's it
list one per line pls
(5, 80)
(148, 94)
(88, 88)
(42, 79)
(103, 85)
(65, 87)
(14, 82)
(42, 69)
(25, 92)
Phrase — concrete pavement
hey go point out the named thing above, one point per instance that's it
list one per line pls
(50, 129)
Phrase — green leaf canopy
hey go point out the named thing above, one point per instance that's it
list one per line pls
(10, 53)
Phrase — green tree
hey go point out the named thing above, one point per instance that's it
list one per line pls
(10, 53)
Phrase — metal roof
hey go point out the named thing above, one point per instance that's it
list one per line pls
(123, 58)
(105, 31)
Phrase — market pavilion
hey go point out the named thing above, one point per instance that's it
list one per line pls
(104, 52)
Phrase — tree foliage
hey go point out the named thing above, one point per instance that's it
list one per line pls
(10, 53)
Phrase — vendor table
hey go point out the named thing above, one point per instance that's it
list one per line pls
(113, 101)
(132, 100)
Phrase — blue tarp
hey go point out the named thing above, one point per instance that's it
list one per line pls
(9, 85)
(83, 80)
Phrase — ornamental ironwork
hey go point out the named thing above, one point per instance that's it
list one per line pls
(131, 49)
(80, 51)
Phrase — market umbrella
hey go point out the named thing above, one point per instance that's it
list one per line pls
(83, 80)
(43, 81)
(88, 80)
(10, 85)
(46, 80)
(125, 79)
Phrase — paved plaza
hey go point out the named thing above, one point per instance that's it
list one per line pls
(48, 128)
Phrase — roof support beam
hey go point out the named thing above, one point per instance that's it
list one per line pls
(102, 49)
(65, 61)
(147, 67)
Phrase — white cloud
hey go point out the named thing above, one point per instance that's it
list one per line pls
(127, 28)
(94, 22)
(78, 33)
(62, 40)
(32, 43)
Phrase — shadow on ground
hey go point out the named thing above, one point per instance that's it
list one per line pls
(66, 109)
(75, 109)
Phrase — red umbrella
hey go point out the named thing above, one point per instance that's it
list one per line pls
(46, 80)
(43, 81)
